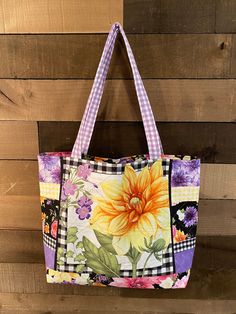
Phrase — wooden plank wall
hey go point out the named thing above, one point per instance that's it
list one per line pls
(49, 51)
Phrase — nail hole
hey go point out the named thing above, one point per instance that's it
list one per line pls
(222, 45)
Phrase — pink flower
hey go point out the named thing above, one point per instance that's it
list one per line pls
(69, 188)
(54, 226)
(84, 171)
(174, 231)
(138, 282)
(181, 283)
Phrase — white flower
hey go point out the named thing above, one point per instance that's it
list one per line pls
(82, 279)
(167, 283)
(180, 214)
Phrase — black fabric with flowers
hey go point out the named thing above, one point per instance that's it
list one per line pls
(185, 217)
(50, 216)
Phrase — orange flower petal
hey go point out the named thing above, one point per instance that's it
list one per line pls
(156, 170)
(143, 180)
(147, 224)
(129, 179)
(119, 224)
(112, 189)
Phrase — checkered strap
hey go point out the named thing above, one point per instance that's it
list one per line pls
(87, 124)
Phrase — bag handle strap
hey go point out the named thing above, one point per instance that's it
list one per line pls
(87, 124)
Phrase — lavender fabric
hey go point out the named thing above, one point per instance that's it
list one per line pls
(87, 124)
(49, 255)
(183, 260)
(185, 173)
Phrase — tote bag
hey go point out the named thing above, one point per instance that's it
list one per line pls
(128, 222)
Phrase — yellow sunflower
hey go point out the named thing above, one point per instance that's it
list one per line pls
(135, 208)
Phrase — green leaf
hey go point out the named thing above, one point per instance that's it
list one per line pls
(157, 256)
(71, 239)
(79, 268)
(133, 255)
(60, 252)
(105, 241)
(72, 231)
(87, 193)
(79, 245)
(60, 262)
(69, 254)
(158, 245)
(80, 182)
(80, 257)
(148, 243)
(100, 260)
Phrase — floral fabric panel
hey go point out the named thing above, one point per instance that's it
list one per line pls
(117, 225)
(185, 181)
(49, 168)
(160, 282)
(50, 218)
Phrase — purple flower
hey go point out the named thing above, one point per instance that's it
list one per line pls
(85, 201)
(48, 162)
(84, 208)
(68, 188)
(185, 173)
(83, 212)
(84, 171)
(190, 216)
(180, 178)
(56, 175)
(193, 164)
(49, 169)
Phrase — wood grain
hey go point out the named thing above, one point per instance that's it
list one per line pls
(64, 16)
(225, 16)
(217, 144)
(22, 303)
(205, 284)
(172, 100)
(18, 178)
(169, 16)
(20, 212)
(18, 140)
(216, 217)
(164, 56)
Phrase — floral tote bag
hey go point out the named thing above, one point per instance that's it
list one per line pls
(128, 222)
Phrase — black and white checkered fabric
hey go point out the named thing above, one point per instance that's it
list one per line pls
(185, 245)
(61, 239)
(51, 243)
(166, 268)
(107, 168)
(110, 168)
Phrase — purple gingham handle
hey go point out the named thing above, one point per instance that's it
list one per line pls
(87, 124)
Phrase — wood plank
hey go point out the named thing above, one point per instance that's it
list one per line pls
(36, 303)
(65, 16)
(172, 100)
(18, 178)
(225, 16)
(169, 16)
(205, 284)
(172, 56)
(20, 212)
(216, 217)
(18, 140)
(19, 246)
(218, 181)
(217, 144)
